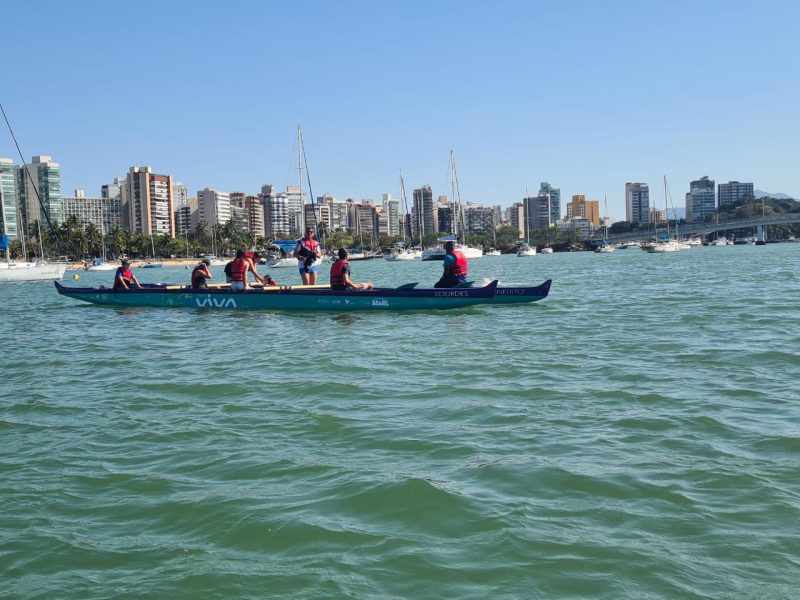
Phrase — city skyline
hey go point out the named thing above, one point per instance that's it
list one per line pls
(602, 96)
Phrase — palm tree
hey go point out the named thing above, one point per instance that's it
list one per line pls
(93, 239)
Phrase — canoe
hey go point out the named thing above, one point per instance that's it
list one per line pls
(306, 298)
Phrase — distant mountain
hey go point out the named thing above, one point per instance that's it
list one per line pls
(761, 194)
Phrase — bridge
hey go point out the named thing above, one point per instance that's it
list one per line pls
(703, 229)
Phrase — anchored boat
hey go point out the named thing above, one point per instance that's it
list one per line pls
(304, 297)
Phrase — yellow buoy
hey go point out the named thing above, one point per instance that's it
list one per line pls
(76, 276)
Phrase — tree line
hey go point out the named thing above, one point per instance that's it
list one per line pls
(78, 242)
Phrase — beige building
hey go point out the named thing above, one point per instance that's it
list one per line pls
(580, 207)
(147, 202)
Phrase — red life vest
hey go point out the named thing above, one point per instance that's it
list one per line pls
(337, 273)
(126, 274)
(310, 245)
(460, 266)
(238, 269)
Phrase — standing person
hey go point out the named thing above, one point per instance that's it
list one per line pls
(124, 277)
(455, 267)
(306, 251)
(201, 274)
(240, 267)
(340, 275)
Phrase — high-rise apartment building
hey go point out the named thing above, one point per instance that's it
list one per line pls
(445, 216)
(252, 212)
(213, 206)
(637, 202)
(9, 223)
(297, 209)
(515, 215)
(423, 217)
(42, 175)
(184, 223)
(701, 201)
(537, 210)
(147, 201)
(103, 213)
(180, 194)
(555, 200)
(479, 219)
(733, 191)
(113, 189)
(390, 215)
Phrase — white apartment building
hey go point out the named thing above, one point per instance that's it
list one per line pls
(213, 206)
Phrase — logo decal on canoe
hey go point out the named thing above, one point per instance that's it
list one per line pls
(451, 294)
(209, 302)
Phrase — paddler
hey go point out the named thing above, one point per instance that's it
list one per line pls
(124, 277)
(455, 267)
(201, 274)
(306, 251)
(240, 267)
(340, 275)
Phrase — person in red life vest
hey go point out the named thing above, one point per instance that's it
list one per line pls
(124, 277)
(340, 275)
(455, 267)
(307, 252)
(201, 274)
(240, 267)
(255, 259)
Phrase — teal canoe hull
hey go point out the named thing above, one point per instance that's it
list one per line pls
(319, 299)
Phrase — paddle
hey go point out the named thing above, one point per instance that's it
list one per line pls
(407, 286)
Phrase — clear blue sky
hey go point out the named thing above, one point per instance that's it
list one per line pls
(585, 95)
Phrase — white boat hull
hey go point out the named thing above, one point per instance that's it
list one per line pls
(31, 271)
(280, 263)
(663, 247)
(402, 255)
(527, 252)
(470, 251)
(103, 267)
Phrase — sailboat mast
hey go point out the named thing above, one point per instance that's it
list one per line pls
(300, 170)
(454, 215)
(405, 204)
(666, 205)
(525, 204)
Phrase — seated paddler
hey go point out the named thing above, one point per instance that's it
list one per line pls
(340, 275)
(124, 277)
(201, 274)
(455, 267)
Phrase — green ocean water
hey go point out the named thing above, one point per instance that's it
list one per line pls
(634, 435)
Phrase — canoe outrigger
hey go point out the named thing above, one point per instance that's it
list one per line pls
(308, 297)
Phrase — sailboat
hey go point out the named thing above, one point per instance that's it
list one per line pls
(37, 270)
(664, 244)
(605, 247)
(27, 271)
(403, 253)
(465, 248)
(525, 249)
(152, 264)
(493, 251)
(100, 264)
